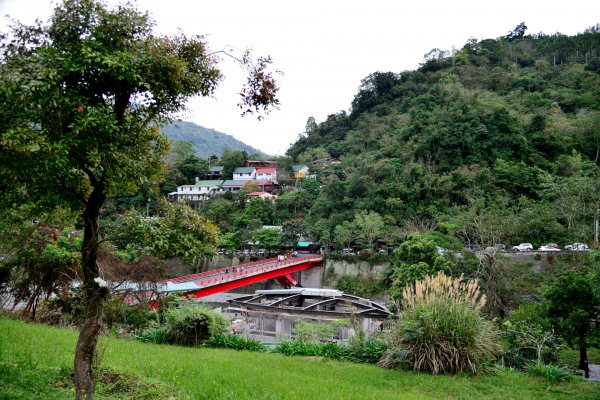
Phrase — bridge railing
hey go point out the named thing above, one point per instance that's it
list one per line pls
(242, 271)
(246, 270)
(219, 271)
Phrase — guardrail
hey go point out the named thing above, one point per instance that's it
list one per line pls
(228, 274)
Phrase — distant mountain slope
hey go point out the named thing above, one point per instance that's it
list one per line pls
(206, 141)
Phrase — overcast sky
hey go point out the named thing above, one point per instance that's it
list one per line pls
(326, 47)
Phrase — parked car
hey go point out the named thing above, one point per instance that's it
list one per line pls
(577, 247)
(490, 250)
(442, 251)
(348, 252)
(550, 247)
(523, 247)
(473, 247)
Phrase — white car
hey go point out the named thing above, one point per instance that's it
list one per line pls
(523, 247)
(550, 247)
(577, 247)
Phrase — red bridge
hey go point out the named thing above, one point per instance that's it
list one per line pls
(220, 280)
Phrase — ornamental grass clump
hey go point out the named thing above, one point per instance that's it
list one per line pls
(440, 328)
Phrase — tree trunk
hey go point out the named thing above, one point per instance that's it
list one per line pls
(93, 297)
(583, 363)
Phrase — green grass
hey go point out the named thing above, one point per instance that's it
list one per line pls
(36, 363)
(570, 357)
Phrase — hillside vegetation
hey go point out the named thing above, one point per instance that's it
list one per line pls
(206, 142)
(500, 139)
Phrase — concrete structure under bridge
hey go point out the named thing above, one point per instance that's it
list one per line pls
(272, 315)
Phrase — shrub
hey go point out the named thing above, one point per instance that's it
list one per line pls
(227, 341)
(155, 333)
(331, 350)
(368, 350)
(527, 337)
(309, 348)
(441, 330)
(297, 348)
(552, 373)
(363, 287)
(192, 323)
(188, 323)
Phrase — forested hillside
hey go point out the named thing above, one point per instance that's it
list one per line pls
(206, 142)
(498, 141)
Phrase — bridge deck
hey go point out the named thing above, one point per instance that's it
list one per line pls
(220, 280)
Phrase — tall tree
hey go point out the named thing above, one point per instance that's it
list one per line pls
(81, 101)
(574, 310)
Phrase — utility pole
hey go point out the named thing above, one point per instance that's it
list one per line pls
(597, 226)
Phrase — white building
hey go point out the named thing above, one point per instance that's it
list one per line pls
(202, 190)
(244, 173)
(266, 174)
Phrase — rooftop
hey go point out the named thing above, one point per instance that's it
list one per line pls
(265, 170)
(298, 167)
(244, 170)
(209, 183)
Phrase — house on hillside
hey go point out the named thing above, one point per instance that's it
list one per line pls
(299, 171)
(266, 174)
(261, 163)
(200, 191)
(215, 172)
(233, 185)
(244, 173)
(261, 195)
(263, 186)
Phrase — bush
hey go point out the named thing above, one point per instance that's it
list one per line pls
(441, 330)
(552, 373)
(528, 338)
(188, 323)
(155, 333)
(366, 351)
(361, 287)
(235, 342)
(297, 348)
(115, 312)
(192, 323)
(308, 348)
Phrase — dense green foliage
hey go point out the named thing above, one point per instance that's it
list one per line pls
(500, 138)
(186, 323)
(574, 310)
(236, 342)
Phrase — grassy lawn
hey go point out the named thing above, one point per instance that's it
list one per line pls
(36, 363)
(571, 357)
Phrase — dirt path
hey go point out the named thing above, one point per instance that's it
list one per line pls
(594, 372)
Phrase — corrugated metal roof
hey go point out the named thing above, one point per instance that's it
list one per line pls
(262, 170)
(244, 170)
(234, 182)
(209, 183)
(298, 167)
(216, 168)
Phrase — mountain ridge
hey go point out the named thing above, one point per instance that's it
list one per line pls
(206, 141)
